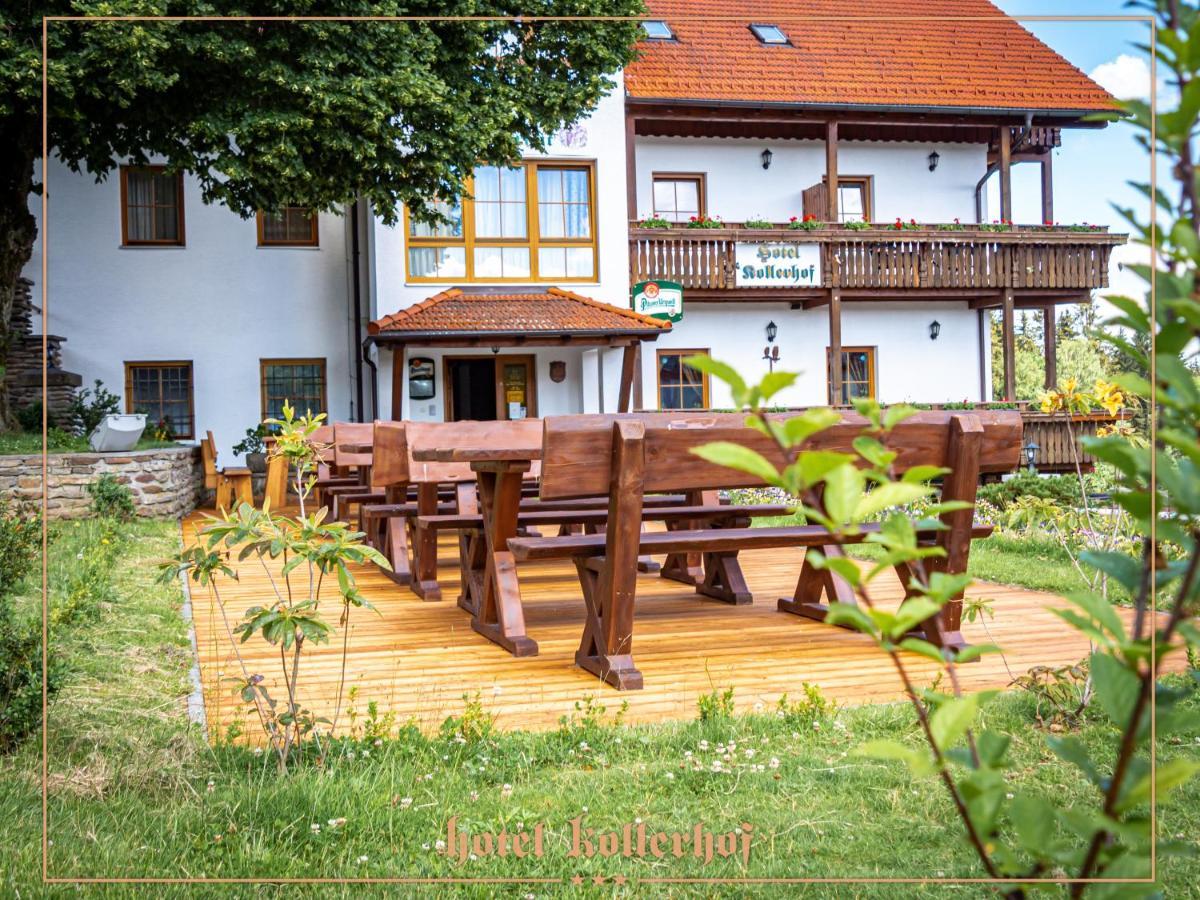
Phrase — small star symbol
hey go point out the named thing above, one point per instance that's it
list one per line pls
(598, 879)
(619, 879)
(577, 881)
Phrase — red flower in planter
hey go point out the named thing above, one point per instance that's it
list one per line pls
(808, 218)
(793, 218)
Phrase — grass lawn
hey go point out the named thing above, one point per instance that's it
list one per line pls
(136, 792)
(20, 443)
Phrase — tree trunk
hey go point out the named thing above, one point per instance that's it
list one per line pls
(18, 229)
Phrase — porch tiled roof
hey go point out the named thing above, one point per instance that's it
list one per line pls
(862, 54)
(522, 311)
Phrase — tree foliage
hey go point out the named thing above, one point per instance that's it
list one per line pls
(267, 114)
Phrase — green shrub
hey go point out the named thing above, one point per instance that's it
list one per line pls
(30, 418)
(1060, 489)
(20, 542)
(111, 499)
(808, 712)
(21, 677)
(716, 705)
(91, 405)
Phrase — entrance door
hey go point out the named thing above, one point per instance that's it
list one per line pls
(490, 387)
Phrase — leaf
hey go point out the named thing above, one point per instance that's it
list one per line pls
(723, 371)
(774, 382)
(843, 490)
(912, 613)
(1033, 820)
(924, 648)
(840, 565)
(918, 761)
(800, 428)
(974, 651)
(1101, 610)
(888, 495)
(1167, 776)
(1071, 749)
(923, 473)
(1117, 688)
(873, 451)
(815, 465)
(847, 614)
(952, 719)
(894, 415)
(735, 456)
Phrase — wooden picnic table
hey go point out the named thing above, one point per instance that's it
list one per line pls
(500, 471)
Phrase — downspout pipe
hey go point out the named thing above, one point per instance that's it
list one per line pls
(1021, 140)
(356, 291)
(366, 358)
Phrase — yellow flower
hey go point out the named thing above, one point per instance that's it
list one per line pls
(1070, 386)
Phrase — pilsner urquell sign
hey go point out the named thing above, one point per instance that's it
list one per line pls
(780, 264)
(660, 299)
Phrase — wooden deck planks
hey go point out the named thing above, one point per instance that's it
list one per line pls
(418, 659)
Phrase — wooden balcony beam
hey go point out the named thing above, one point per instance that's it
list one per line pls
(835, 346)
(1008, 341)
(1050, 345)
(831, 170)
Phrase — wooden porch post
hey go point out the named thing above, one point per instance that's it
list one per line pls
(835, 347)
(831, 171)
(1050, 345)
(630, 167)
(637, 375)
(397, 382)
(1008, 337)
(1006, 174)
(1048, 187)
(629, 358)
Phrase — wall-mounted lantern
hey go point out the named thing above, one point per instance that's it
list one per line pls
(767, 155)
(935, 328)
(934, 159)
(1031, 453)
(772, 330)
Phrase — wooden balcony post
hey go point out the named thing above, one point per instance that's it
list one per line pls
(629, 374)
(835, 347)
(1008, 339)
(397, 382)
(630, 167)
(1006, 174)
(1048, 187)
(831, 170)
(1050, 345)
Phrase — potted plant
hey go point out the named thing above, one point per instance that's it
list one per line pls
(253, 448)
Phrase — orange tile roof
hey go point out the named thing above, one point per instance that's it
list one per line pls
(990, 62)
(522, 311)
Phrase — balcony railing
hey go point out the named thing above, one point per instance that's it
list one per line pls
(886, 258)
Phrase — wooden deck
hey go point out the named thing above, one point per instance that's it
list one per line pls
(418, 659)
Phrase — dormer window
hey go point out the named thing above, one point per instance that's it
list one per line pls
(658, 30)
(769, 34)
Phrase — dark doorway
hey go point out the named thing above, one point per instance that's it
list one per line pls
(472, 389)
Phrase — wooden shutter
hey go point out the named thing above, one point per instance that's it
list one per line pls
(815, 201)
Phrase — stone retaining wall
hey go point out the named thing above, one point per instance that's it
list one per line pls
(165, 482)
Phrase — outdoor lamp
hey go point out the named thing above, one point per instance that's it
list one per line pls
(766, 158)
(934, 159)
(772, 330)
(1031, 451)
(935, 328)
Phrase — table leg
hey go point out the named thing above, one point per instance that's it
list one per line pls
(500, 617)
(424, 547)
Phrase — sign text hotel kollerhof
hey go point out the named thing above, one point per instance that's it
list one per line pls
(780, 264)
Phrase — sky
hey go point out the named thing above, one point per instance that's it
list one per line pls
(1092, 166)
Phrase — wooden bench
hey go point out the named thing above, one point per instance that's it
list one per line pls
(329, 478)
(353, 452)
(230, 486)
(628, 456)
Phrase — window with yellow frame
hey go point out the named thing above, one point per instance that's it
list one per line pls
(533, 222)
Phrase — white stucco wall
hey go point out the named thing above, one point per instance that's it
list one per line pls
(221, 301)
(739, 188)
(909, 366)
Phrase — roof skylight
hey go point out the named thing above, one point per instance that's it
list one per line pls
(658, 30)
(769, 34)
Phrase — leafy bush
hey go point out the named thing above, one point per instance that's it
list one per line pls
(30, 417)
(89, 585)
(91, 405)
(111, 499)
(1062, 490)
(716, 705)
(20, 542)
(253, 441)
(808, 712)
(758, 223)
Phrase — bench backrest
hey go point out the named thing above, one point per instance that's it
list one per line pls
(395, 442)
(347, 433)
(323, 436)
(208, 453)
(577, 451)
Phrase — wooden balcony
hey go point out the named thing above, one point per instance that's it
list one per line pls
(884, 260)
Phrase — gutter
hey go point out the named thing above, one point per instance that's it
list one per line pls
(408, 337)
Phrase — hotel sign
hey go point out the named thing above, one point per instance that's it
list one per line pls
(660, 299)
(781, 264)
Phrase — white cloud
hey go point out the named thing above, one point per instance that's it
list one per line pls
(1127, 77)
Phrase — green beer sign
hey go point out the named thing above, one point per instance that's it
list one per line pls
(660, 299)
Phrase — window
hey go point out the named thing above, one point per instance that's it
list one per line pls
(769, 34)
(163, 391)
(858, 374)
(535, 221)
(301, 382)
(294, 226)
(151, 206)
(678, 195)
(854, 198)
(681, 386)
(657, 30)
